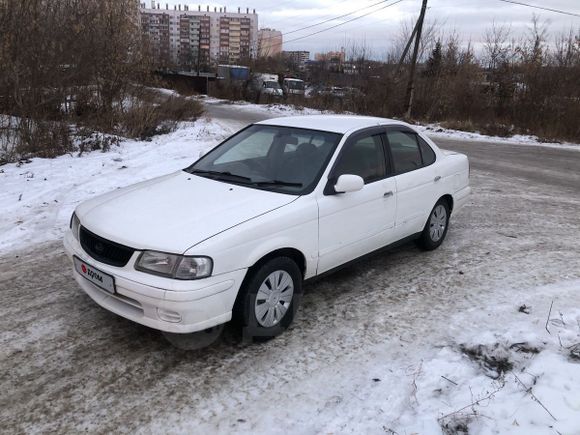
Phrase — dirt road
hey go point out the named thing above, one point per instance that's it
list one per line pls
(69, 366)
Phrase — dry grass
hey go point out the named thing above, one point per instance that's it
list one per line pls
(145, 119)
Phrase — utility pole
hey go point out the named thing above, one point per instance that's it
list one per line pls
(406, 49)
(411, 85)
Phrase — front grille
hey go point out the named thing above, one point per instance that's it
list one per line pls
(104, 250)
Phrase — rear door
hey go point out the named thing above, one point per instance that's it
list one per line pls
(416, 176)
(353, 224)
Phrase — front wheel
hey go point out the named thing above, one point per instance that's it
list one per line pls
(269, 299)
(436, 227)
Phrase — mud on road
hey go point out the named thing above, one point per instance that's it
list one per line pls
(69, 366)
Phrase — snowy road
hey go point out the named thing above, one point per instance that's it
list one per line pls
(357, 357)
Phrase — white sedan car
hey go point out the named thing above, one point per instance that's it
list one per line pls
(234, 235)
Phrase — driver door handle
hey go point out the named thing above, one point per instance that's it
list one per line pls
(437, 178)
(388, 194)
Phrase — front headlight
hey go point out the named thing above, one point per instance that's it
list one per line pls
(174, 266)
(75, 224)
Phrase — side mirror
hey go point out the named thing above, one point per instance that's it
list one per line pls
(349, 183)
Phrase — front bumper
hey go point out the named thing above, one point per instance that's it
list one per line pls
(195, 306)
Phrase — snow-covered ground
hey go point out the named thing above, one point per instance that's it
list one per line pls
(435, 130)
(274, 109)
(493, 370)
(412, 345)
(39, 197)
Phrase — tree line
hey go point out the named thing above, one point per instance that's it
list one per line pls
(510, 85)
(69, 68)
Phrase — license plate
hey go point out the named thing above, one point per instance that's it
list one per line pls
(98, 278)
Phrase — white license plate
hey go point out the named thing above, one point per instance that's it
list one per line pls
(98, 278)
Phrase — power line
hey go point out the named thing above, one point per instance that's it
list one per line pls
(336, 18)
(328, 20)
(293, 2)
(558, 11)
(344, 22)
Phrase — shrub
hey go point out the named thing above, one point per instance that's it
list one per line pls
(143, 120)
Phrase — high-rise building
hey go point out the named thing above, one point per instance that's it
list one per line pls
(191, 39)
(269, 42)
(337, 57)
(299, 58)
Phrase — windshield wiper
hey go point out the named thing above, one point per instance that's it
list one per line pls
(244, 180)
(219, 174)
(277, 183)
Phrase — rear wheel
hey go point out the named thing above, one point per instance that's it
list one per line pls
(436, 227)
(269, 298)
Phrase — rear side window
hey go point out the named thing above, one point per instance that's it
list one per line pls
(427, 152)
(405, 151)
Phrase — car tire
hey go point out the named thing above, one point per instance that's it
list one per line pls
(269, 299)
(436, 227)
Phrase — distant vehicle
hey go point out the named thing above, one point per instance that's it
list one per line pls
(353, 92)
(235, 234)
(337, 92)
(236, 73)
(265, 85)
(330, 91)
(293, 86)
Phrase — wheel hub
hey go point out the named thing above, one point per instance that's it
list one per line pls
(438, 223)
(274, 298)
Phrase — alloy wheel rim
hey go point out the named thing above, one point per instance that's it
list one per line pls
(273, 298)
(437, 223)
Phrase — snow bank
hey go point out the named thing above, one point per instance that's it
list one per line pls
(536, 390)
(38, 197)
(277, 109)
(435, 130)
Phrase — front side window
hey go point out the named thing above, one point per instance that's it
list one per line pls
(364, 157)
(405, 151)
(280, 159)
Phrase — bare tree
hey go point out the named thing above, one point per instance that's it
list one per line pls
(67, 58)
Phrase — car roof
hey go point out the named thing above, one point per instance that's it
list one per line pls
(331, 123)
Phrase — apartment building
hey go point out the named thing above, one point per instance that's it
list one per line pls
(269, 42)
(192, 39)
(337, 57)
(299, 58)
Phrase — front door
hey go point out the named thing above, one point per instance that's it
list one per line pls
(356, 223)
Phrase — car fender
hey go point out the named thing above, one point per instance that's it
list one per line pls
(293, 226)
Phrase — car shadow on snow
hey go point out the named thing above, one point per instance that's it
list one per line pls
(320, 303)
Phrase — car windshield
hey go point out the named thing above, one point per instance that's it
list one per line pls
(295, 84)
(280, 159)
(272, 85)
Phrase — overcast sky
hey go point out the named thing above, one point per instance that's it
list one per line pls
(379, 30)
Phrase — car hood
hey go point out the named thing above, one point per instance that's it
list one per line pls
(174, 212)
